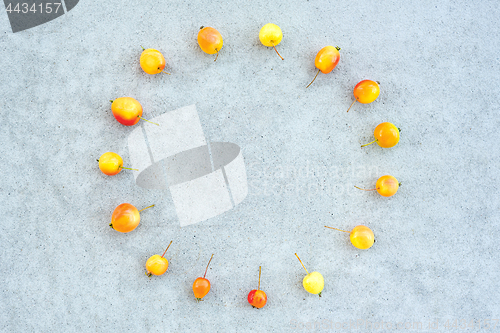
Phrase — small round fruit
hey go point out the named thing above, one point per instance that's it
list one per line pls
(125, 218)
(127, 110)
(257, 298)
(110, 163)
(210, 40)
(201, 287)
(156, 265)
(270, 35)
(313, 283)
(152, 61)
(327, 59)
(366, 91)
(387, 186)
(387, 135)
(362, 237)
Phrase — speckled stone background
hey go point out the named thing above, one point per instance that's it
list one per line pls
(436, 252)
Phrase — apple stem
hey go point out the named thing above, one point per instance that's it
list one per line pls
(337, 229)
(359, 188)
(111, 100)
(313, 79)
(146, 208)
(369, 143)
(148, 121)
(277, 51)
(351, 105)
(208, 265)
(142, 47)
(167, 249)
(258, 288)
(129, 168)
(216, 55)
(163, 71)
(301, 263)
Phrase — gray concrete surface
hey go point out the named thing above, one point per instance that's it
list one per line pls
(436, 252)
